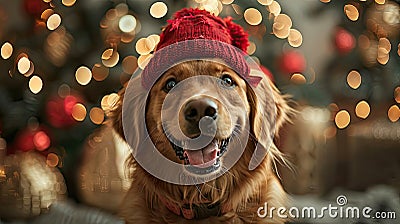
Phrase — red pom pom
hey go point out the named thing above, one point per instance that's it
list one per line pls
(239, 36)
(344, 41)
(292, 62)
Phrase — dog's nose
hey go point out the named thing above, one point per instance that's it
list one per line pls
(196, 109)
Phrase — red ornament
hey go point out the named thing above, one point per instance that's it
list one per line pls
(59, 111)
(292, 62)
(30, 139)
(35, 7)
(344, 41)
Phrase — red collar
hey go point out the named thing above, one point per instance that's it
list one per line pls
(194, 211)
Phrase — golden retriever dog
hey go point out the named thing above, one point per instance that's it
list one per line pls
(236, 195)
(201, 129)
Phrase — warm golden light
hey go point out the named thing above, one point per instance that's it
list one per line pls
(265, 2)
(284, 20)
(397, 94)
(96, 115)
(398, 49)
(24, 64)
(79, 112)
(274, 8)
(129, 64)
(143, 60)
(351, 12)
(354, 79)
(52, 160)
(342, 119)
(99, 72)
(158, 10)
(364, 42)
(252, 16)
(325, 1)
(145, 45)
(64, 90)
(83, 75)
(363, 109)
(295, 38)
(298, 78)
(380, 2)
(68, 3)
(53, 22)
(394, 113)
(385, 44)
(251, 48)
(127, 23)
(227, 2)
(35, 84)
(110, 57)
(6, 50)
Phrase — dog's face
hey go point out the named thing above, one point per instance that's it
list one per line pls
(212, 101)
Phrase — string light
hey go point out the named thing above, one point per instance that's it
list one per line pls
(362, 109)
(351, 12)
(342, 119)
(158, 10)
(35, 84)
(252, 16)
(83, 75)
(6, 50)
(96, 115)
(127, 23)
(79, 112)
(53, 22)
(394, 113)
(23, 65)
(354, 79)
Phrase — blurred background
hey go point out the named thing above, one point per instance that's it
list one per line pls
(63, 62)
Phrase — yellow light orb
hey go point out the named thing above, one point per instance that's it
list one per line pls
(54, 21)
(394, 113)
(24, 64)
(252, 16)
(158, 10)
(351, 12)
(83, 75)
(362, 109)
(68, 3)
(35, 84)
(342, 119)
(79, 112)
(96, 115)
(6, 50)
(127, 23)
(298, 78)
(354, 79)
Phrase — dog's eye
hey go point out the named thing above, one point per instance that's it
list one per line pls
(169, 84)
(227, 81)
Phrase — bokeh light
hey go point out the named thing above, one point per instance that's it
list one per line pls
(6, 50)
(83, 75)
(54, 21)
(110, 57)
(127, 23)
(251, 49)
(265, 2)
(64, 90)
(23, 65)
(354, 79)
(158, 10)
(109, 101)
(325, 1)
(362, 109)
(342, 119)
(394, 113)
(143, 60)
(397, 94)
(274, 8)
(145, 45)
(129, 64)
(79, 112)
(100, 72)
(52, 159)
(96, 115)
(41, 140)
(380, 2)
(227, 2)
(295, 38)
(298, 78)
(68, 3)
(35, 84)
(351, 12)
(252, 16)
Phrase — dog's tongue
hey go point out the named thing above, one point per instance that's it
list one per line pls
(203, 157)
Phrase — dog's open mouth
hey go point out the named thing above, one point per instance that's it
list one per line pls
(205, 160)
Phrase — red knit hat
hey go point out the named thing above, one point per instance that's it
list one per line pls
(196, 34)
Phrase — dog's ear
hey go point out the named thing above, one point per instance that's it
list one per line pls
(269, 110)
(115, 115)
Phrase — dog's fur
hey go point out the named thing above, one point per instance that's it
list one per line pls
(240, 191)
